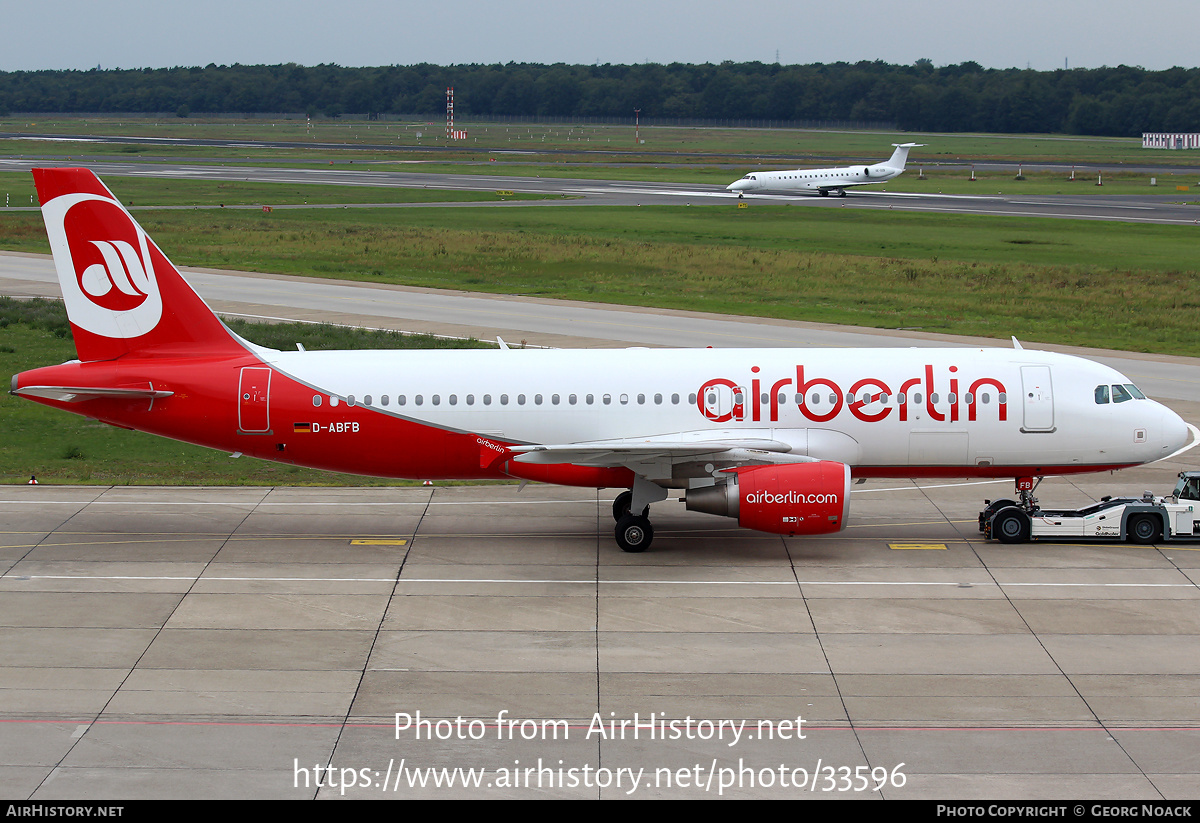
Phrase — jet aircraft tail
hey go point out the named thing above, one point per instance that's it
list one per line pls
(900, 156)
(122, 294)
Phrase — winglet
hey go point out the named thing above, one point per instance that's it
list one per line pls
(1017, 343)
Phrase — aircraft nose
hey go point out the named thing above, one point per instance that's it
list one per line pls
(1175, 432)
(737, 186)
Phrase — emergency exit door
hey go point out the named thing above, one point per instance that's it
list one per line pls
(1037, 398)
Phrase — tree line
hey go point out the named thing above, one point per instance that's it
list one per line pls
(1123, 101)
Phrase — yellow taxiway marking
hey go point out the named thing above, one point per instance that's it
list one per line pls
(917, 546)
(366, 542)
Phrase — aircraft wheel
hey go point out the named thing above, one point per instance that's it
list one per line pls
(634, 534)
(623, 502)
(842, 193)
(1011, 525)
(824, 192)
(992, 508)
(1144, 529)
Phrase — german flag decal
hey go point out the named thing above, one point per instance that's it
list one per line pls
(301, 428)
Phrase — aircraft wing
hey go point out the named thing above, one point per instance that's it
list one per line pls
(673, 449)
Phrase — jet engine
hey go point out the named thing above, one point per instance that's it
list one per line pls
(792, 498)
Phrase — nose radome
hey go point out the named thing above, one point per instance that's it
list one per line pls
(1175, 432)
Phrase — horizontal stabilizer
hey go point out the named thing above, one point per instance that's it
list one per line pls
(78, 394)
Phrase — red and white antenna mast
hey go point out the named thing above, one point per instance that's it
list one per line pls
(449, 112)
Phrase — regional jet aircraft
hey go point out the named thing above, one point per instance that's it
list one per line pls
(824, 180)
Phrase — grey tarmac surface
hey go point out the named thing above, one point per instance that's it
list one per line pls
(239, 642)
(1166, 208)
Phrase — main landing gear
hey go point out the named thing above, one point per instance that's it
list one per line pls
(634, 533)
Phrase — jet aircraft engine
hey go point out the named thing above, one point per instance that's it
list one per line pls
(793, 498)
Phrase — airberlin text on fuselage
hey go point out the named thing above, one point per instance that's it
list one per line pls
(790, 497)
(862, 393)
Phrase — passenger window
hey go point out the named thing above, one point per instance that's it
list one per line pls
(317, 400)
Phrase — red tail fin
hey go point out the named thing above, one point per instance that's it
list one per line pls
(122, 294)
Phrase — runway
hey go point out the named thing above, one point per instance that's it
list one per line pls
(252, 642)
(1166, 209)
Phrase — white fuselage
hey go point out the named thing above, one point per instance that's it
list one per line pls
(906, 412)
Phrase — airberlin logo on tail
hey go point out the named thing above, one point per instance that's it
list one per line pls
(104, 266)
(119, 282)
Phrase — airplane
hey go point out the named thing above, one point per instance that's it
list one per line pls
(769, 437)
(824, 180)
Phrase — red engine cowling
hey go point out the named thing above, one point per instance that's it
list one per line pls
(794, 498)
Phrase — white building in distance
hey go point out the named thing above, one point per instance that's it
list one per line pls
(1170, 140)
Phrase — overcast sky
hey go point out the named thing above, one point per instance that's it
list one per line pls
(1040, 34)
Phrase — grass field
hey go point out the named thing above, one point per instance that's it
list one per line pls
(151, 191)
(584, 139)
(1124, 286)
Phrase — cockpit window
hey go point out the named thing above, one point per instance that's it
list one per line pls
(1101, 395)
(1120, 395)
(1135, 391)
